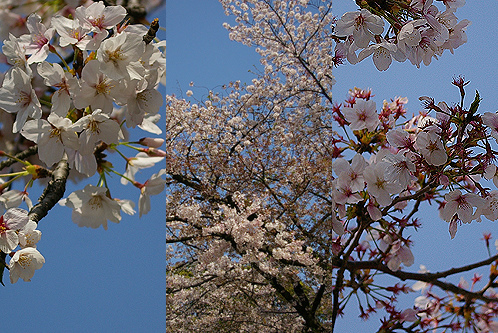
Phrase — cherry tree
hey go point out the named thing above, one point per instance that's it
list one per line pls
(81, 78)
(286, 208)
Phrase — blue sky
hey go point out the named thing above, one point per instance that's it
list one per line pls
(199, 50)
(96, 280)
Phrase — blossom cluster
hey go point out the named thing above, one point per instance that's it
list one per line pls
(419, 31)
(16, 229)
(77, 79)
(443, 154)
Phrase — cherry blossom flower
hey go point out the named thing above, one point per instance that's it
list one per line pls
(363, 25)
(15, 53)
(399, 138)
(96, 127)
(18, 96)
(430, 145)
(399, 253)
(55, 76)
(351, 173)
(461, 205)
(362, 115)
(52, 136)
(399, 169)
(377, 185)
(29, 236)
(119, 55)
(491, 120)
(37, 42)
(144, 99)
(92, 207)
(13, 220)
(382, 54)
(490, 209)
(97, 90)
(71, 32)
(153, 186)
(343, 192)
(24, 263)
(99, 17)
(140, 161)
(409, 34)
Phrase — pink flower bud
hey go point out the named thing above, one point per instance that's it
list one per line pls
(444, 180)
(154, 152)
(151, 142)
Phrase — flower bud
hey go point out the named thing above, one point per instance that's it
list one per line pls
(151, 142)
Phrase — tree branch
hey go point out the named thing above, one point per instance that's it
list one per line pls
(432, 278)
(22, 156)
(52, 193)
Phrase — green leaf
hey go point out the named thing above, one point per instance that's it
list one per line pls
(474, 106)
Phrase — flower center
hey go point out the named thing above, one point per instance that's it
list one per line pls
(95, 202)
(24, 261)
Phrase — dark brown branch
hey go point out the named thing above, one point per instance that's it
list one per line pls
(432, 278)
(52, 193)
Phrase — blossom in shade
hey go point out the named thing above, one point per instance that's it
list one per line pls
(377, 185)
(399, 169)
(491, 120)
(430, 145)
(351, 173)
(18, 96)
(362, 25)
(461, 205)
(10, 222)
(382, 54)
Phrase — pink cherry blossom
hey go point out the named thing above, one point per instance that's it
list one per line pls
(461, 205)
(362, 115)
(430, 145)
(362, 25)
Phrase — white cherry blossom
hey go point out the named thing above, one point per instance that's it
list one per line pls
(378, 186)
(18, 96)
(96, 127)
(119, 55)
(55, 76)
(24, 263)
(92, 207)
(52, 136)
(461, 205)
(153, 186)
(37, 42)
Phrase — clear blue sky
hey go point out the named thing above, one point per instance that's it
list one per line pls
(199, 50)
(95, 280)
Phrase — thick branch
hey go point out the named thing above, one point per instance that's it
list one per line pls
(52, 193)
(432, 278)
